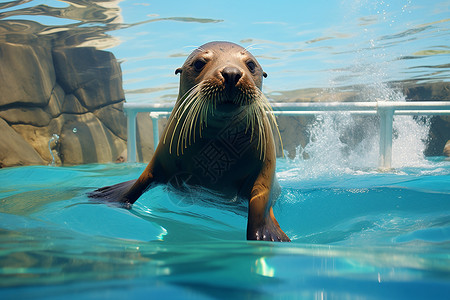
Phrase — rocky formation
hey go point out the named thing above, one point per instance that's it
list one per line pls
(439, 125)
(447, 149)
(58, 90)
(144, 136)
(73, 92)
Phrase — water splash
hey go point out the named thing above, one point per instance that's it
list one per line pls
(341, 143)
(410, 140)
(344, 143)
(54, 138)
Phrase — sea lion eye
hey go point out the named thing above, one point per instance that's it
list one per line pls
(251, 66)
(199, 64)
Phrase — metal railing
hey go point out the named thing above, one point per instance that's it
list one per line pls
(385, 109)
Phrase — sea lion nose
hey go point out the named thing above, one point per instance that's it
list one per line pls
(231, 75)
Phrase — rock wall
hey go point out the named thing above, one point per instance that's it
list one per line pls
(144, 136)
(73, 92)
(440, 125)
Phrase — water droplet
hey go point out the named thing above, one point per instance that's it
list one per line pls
(74, 130)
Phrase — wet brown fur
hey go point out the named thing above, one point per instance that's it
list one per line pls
(208, 111)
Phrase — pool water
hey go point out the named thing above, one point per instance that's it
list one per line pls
(356, 233)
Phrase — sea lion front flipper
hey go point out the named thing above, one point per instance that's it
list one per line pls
(115, 193)
(267, 230)
(125, 193)
(262, 224)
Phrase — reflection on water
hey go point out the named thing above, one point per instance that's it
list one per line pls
(77, 23)
(301, 45)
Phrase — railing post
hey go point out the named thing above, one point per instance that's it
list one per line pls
(131, 135)
(155, 117)
(386, 113)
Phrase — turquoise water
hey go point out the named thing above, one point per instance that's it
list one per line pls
(356, 233)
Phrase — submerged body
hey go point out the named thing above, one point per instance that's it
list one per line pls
(218, 137)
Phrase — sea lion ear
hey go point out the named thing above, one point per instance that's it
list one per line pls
(264, 74)
(178, 71)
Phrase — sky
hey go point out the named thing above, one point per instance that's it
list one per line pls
(300, 44)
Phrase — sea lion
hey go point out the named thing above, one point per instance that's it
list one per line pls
(218, 136)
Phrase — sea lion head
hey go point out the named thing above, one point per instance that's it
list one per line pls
(223, 73)
(220, 81)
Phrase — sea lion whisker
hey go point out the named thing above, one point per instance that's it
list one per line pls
(186, 129)
(251, 47)
(214, 106)
(256, 118)
(200, 116)
(192, 47)
(240, 99)
(203, 116)
(195, 118)
(193, 121)
(257, 123)
(267, 110)
(253, 121)
(176, 113)
(263, 111)
(187, 99)
(273, 120)
(196, 114)
(262, 140)
(257, 126)
(265, 130)
(201, 49)
(248, 120)
(187, 125)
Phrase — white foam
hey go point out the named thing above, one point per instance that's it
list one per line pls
(332, 148)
